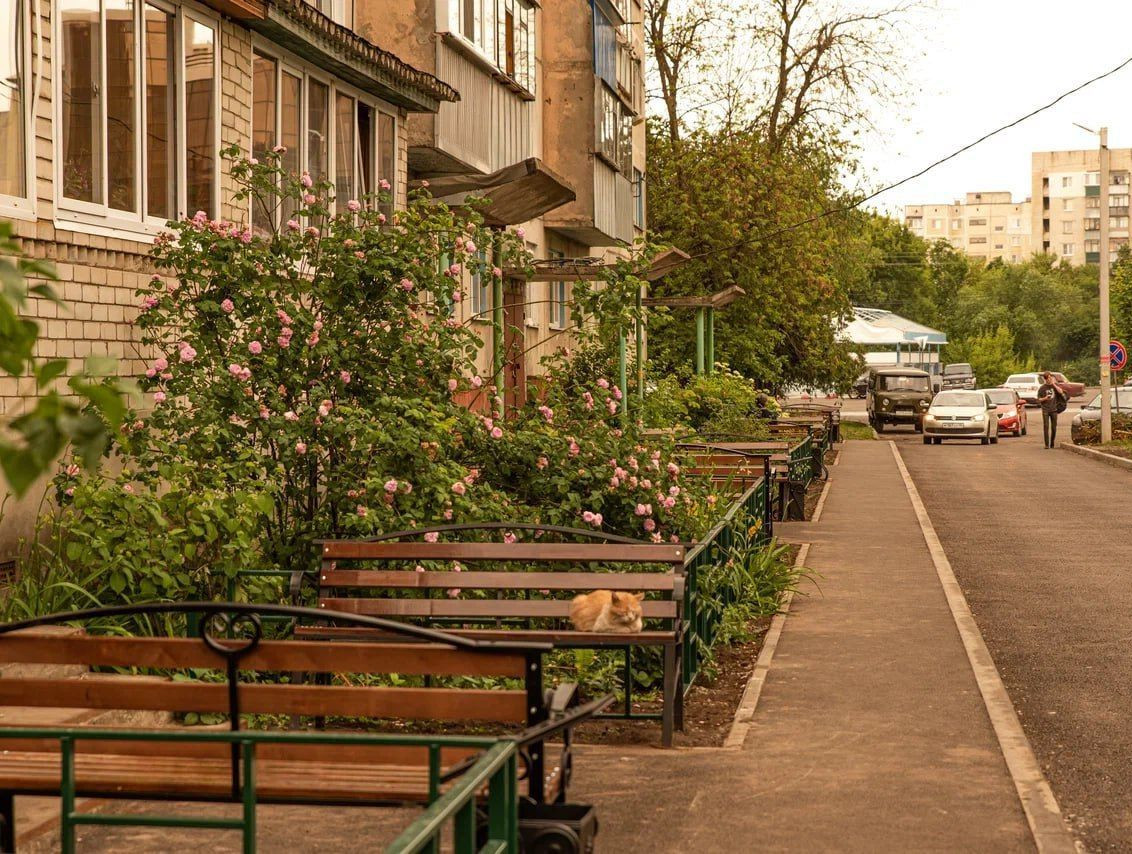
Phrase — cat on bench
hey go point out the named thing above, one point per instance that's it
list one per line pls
(607, 611)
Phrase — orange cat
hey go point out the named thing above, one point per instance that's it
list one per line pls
(606, 611)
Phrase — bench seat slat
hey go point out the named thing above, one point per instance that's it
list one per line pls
(211, 778)
(520, 551)
(349, 701)
(474, 607)
(309, 656)
(354, 754)
(520, 580)
(565, 637)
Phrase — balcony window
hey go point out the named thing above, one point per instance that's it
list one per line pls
(614, 132)
(605, 47)
(339, 11)
(138, 135)
(1092, 179)
(1066, 250)
(335, 135)
(1118, 222)
(481, 292)
(503, 33)
(1118, 201)
(14, 179)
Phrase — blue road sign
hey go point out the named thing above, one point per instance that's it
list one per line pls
(1117, 355)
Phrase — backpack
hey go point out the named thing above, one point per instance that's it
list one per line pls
(1062, 399)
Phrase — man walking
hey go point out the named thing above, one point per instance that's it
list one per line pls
(1052, 400)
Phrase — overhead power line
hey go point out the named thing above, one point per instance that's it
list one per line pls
(850, 207)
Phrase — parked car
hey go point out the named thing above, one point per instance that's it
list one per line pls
(1026, 385)
(1011, 411)
(1121, 404)
(860, 387)
(961, 415)
(958, 375)
(898, 396)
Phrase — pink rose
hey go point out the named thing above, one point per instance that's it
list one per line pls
(453, 385)
(574, 449)
(290, 415)
(604, 383)
(300, 448)
(614, 482)
(459, 488)
(431, 537)
(151, 373)
(309, 199)
(419, 568)
(255, 348)
(362, 510)
(649, 525)
(161, 363)
(641, 510)
(496, 433)
(306, 181)
(384, 184)
(477, 381)
(312, 232)
(673, 470)
(391, 486)
(353, 206)
(345, 377)
(448, 514)
(542, 463)
(470, 247)
(159, 397)
(294, 224)
(406, 284)
(588, 517)
(509, 538)
(381, 219)
(496, 272)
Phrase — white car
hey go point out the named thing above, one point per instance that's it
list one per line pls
(1026, 385)
(961, 415)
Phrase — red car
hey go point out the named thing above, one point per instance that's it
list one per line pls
(1010, 409)
(1070, 388)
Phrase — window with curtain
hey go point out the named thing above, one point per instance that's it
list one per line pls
(13, 99)
(327, 130)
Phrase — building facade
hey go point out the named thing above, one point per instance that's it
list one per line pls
(112, 117)
(986, 225)
(1068, 217)
(556, 83)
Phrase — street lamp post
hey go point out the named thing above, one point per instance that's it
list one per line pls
(1104, 356)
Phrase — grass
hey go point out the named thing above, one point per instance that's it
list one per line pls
(856, 430)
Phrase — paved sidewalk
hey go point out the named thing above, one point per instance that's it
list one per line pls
(870, 735)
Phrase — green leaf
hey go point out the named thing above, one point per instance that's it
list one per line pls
(48, 371)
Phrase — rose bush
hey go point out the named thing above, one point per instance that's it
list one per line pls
(303, 384)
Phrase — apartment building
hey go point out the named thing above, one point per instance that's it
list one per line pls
(112, 116)
(549, 125)
(985, 225)
(1067, 210)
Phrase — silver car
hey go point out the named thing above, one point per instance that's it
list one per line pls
(961, 415)
(1121, 398)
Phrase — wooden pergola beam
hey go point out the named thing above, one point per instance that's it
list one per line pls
(717, 300)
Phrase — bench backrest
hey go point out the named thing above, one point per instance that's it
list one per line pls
(427, 654)
(524, 580)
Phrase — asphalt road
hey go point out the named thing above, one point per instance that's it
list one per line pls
(1038, 542)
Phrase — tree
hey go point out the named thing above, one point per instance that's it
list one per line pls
(990, 354)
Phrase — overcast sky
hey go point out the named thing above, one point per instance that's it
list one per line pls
(988, 62)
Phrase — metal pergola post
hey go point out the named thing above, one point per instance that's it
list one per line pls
(699, 340)
(710, 347)
(623, 370)
(640, 348)
(497, 323)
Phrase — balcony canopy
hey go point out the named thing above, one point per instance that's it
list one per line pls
(517, 193)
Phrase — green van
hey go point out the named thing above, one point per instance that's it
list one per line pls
(898, 396)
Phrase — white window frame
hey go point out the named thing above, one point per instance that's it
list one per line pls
(101, 219)
(24, 207)
(287, 62)
(487, 43)
(1067, 250)
(479, 292)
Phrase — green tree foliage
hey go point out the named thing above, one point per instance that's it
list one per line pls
(991, 355)
(1042, 311)
(712, 193)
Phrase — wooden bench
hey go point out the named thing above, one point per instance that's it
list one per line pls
(251, 767)
(518, 591)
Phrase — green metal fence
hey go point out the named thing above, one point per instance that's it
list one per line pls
(497, 768)
(749, 518)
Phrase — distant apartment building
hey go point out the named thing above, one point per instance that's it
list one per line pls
(1067, 207)
(986, 226)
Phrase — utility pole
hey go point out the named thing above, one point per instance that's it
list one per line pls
(1105, 358)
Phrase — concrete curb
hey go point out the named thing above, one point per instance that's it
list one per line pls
(1099, 456)
(1051, 835)
(745, 713)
